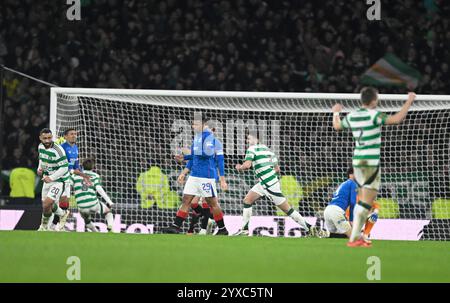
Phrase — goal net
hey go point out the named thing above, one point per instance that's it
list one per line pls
(133, 135)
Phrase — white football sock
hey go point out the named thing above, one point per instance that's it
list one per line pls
(91, 227)
(359, 218)
(246, 215)
(109, 220)
(295, 215)
(59, 211)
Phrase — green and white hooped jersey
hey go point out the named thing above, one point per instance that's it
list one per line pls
(263, 161)
(86, 196)
(365, 125)
(52, 159)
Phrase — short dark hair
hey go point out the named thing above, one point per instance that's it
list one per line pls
(349, 172)
(368, 94)
(88, 164)
(69, 130)
(45, 131)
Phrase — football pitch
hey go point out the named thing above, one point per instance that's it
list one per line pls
(29, 256)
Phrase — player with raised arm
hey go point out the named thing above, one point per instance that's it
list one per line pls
(70, 147)
(201, 181)
(53, 167)
(365, 124)
(86, 197)
(266, 168)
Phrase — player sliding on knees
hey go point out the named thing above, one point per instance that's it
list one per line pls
(203, 211)
(266, 168)
(86, 197)
(365, 124)
(201, 181)
(53, 166)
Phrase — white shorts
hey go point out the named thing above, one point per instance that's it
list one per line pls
(368, 177)
(273, 193)
(201, 187)
(335, 220)
(98, 208)
(55, 190)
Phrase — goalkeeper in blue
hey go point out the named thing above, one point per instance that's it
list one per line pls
(202, 179)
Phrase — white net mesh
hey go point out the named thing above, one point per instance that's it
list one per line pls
(127, 134)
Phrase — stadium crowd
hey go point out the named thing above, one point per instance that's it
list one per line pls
(248, 45)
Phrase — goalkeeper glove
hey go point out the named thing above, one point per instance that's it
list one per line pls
(373, 217)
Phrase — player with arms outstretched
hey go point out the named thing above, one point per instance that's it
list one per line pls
(266, 168)
(86, 197)
(201, 181)
(365, 124)
(53, 167)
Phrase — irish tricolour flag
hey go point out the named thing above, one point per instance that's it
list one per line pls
(391, 71)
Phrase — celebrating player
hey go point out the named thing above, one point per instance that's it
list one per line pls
(266, 168)
(201, 181)
(365, 124)
(53, 167)
(86, 196)
(71, 149)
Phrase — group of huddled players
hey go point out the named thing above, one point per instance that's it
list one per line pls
(352, 212)
(60, 170)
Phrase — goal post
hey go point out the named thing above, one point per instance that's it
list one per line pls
(134, 135)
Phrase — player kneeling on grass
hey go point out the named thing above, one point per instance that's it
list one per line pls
(53, 166)
(266, 168)
(86, 197)
(344, 198)
(338, 214)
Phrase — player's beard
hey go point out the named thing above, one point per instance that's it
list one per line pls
(47, 145)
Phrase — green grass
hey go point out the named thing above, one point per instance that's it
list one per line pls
(41, 257)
